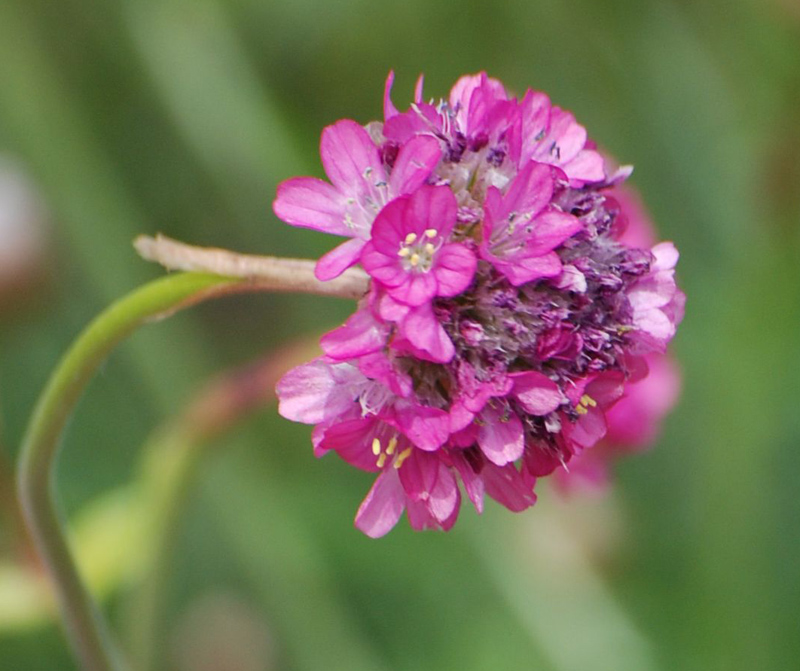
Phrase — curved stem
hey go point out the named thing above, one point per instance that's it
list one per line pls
(85, 627)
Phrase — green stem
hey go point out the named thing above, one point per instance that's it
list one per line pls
(84, 624)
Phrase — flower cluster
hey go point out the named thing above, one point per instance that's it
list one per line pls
(506, 315)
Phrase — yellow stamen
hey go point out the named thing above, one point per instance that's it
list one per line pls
(581, 410)
(410, 238)
(391, 446)
(414, 260)
(405, 454)
(431, 232)
(376, 446)
(588, 401)
(404, 252)
(381, 460)
(429, 249)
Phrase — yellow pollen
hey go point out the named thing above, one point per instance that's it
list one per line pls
(431, 232)
(376, 446)
(381, 460)
(411, 238)
(414, 260)
(405, 454)
(391, 446)
(588, 401)
(581, 410)
(404, 252)
(429, 249)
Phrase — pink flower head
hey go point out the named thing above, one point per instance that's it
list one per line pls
(511, 313)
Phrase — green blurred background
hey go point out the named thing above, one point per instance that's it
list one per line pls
(182, 116)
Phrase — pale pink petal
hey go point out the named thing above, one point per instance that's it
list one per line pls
(360, 335)
(500, 436)
(383, 505)
(666, 255)
(316, 391)
(587, 166)
(310, 202)
(536, 392)
(339, 259)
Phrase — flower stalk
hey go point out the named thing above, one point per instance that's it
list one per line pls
(85, 627)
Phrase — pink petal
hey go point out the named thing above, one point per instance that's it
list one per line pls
(589, 428)
(426, 479)
(389, 228)
(310, 202)
(521, 270)
(552, 228)
(389, 110)
(501, 437)
(361, 334)
(473, 482)
(587, 166)
(383, 505)
(350, 158)
(417, 289)
(414, 164)
(530, 191)
(541, 460)
(507, 486)
(454, 269)
(425, 333)
(536, 392)
(418, 88)
(444, 498)
(339, 259)
(352, 441)
(427, 428)
(383, 267)
(431, 207)
(377, 366)
(666, 255)
(314, 392)
(569, 135)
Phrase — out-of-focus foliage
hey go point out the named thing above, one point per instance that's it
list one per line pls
(183, 115)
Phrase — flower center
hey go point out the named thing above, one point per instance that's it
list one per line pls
(416, 252)
(389, 452)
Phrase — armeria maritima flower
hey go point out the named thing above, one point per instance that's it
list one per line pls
(507, 313)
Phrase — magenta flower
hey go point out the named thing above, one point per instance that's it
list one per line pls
(409, 255)
(510, 319)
